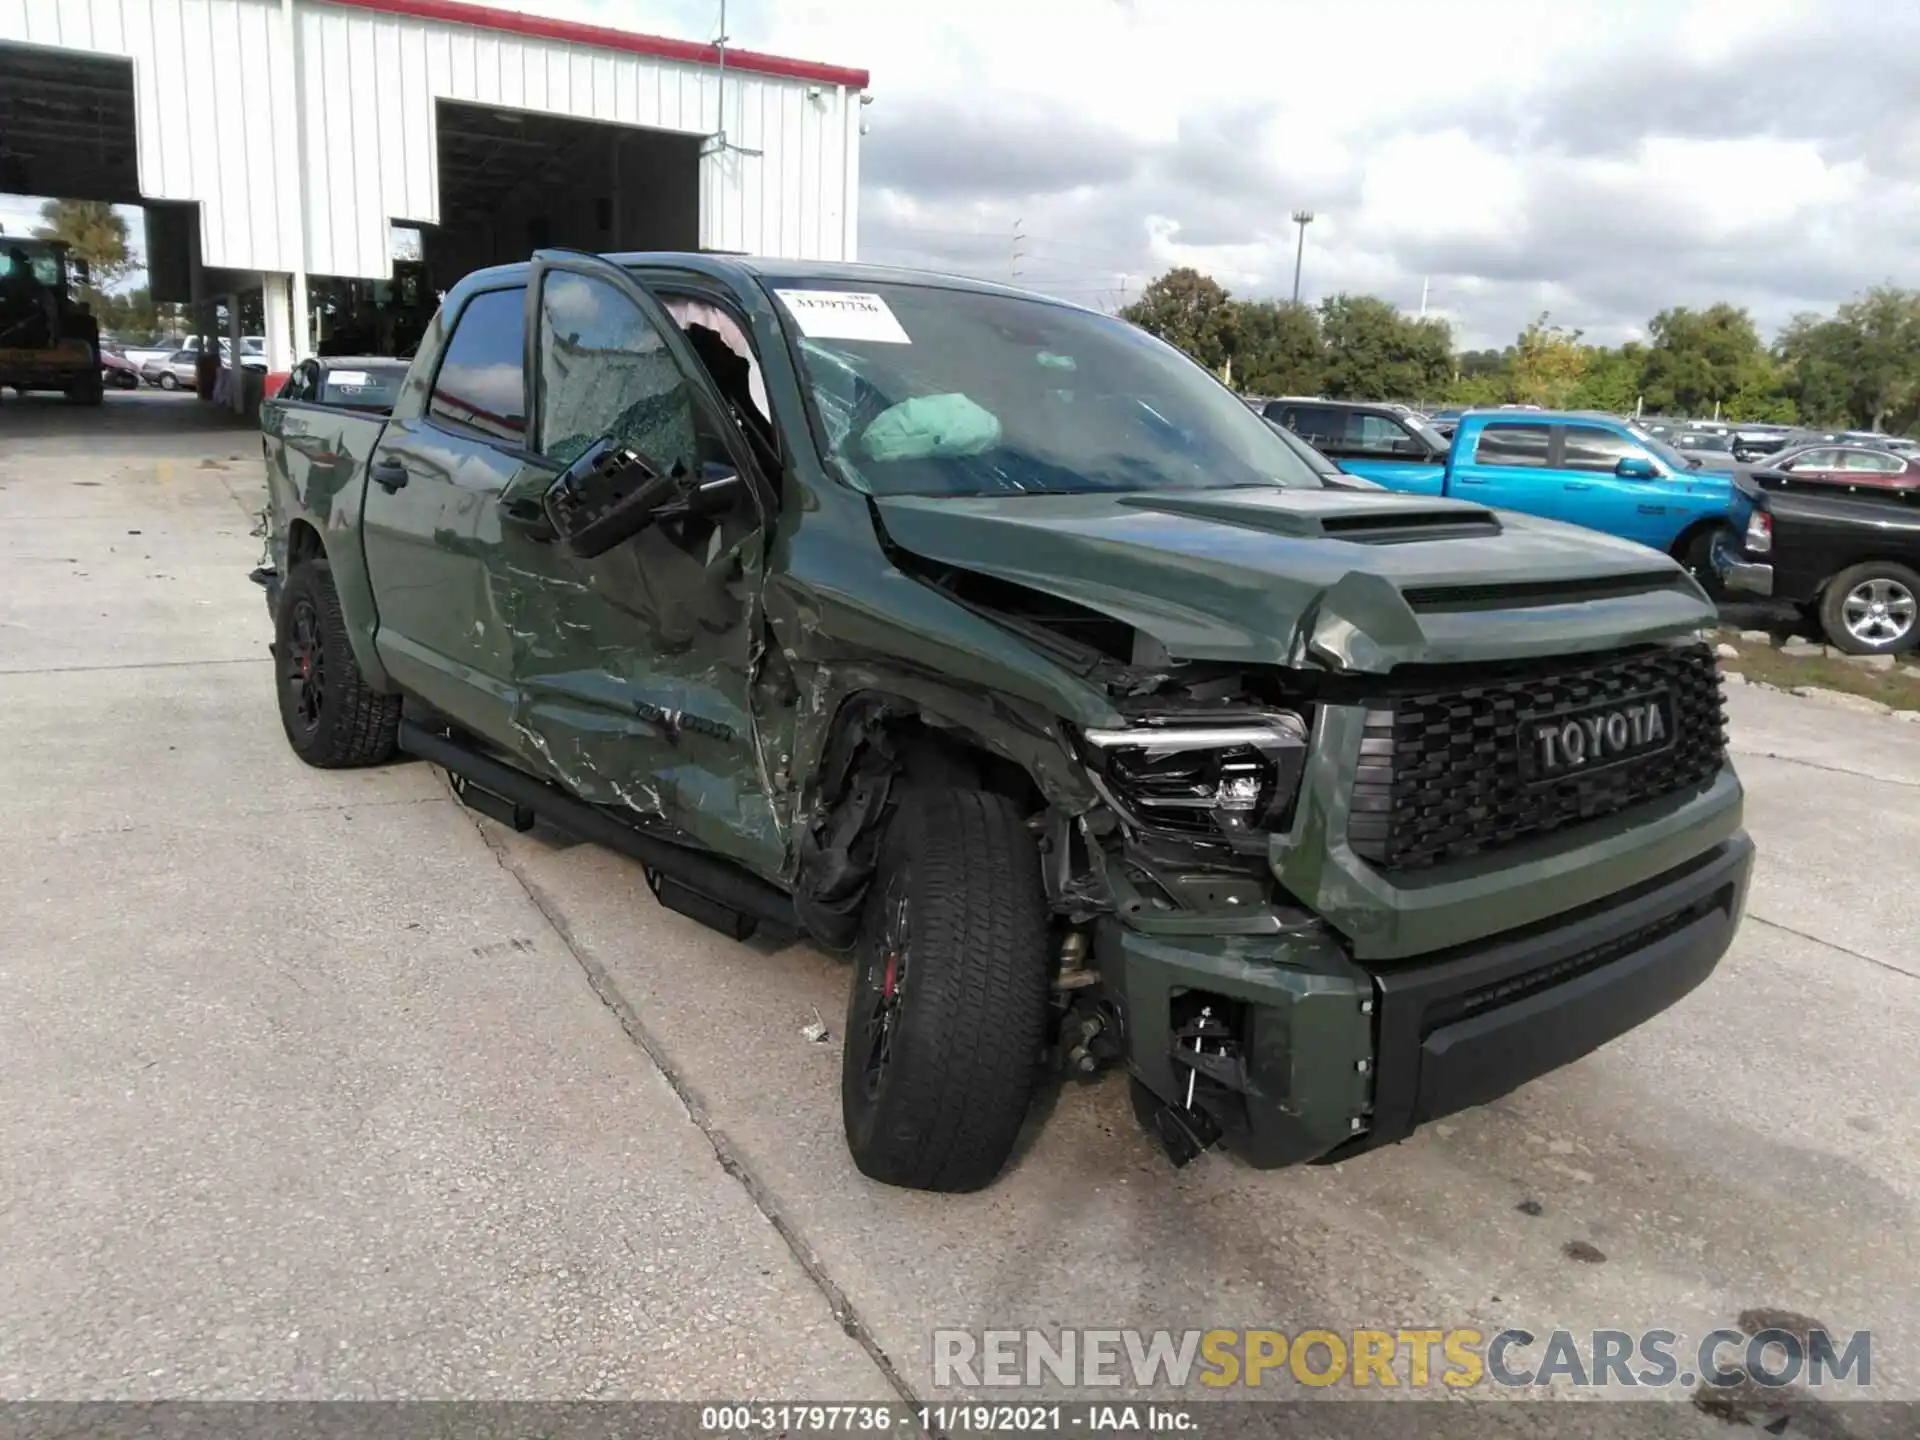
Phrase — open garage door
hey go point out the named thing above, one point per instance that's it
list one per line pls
(66, 125)
(512, 181)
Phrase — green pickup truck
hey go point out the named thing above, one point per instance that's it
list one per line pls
(996, 643)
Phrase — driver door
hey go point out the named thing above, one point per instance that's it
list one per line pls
(632, 671)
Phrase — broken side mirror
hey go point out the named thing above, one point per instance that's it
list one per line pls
(716, 492)
(610, 494)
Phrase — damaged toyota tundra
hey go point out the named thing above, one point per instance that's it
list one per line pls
(997, 644)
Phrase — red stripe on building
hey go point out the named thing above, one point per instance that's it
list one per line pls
(572, 32)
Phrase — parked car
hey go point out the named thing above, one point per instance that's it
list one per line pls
(1712, 448)
(357, 382)
(1847, 465)
(1844, 550)
(253, 352)
(117, 371)
(1377, 441)
(993, 640)
(1755, 442)
(171, 372)
(1588, 469)
(1331, 475)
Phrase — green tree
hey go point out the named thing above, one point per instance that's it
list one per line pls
(1884, 326)
(1816, 362)
(1376, 353)
(1859, 367)
(1548, 362)
(1278, 349)
(133, 316)
(1762, 396)
(1474, 392)
(95, 232)
(1700, 358)
(1188, 310)
(1481, 364)
(1610, 379)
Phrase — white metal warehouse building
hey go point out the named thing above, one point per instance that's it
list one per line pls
(275, 140)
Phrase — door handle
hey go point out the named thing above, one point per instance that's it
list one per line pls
(389, 474)
(1653, 509)
(1579, 485)
(1468, 480)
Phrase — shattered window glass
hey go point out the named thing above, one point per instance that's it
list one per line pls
(606, 371)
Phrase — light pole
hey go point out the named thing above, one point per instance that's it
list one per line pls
(1302, 218)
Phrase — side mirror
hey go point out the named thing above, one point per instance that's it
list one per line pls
(1635, 467)
(608, 495)
(1410, 448)
(82, 272)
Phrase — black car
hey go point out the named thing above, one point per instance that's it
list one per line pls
(1846, 552)
(1359, 430)
(1330, 474)
(1755, 442)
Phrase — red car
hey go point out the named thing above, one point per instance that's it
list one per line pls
(1847, 465)
(117, 371)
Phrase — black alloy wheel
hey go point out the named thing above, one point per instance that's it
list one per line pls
(304, 665)
(883, 980)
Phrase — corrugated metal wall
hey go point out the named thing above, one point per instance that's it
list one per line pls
(215, 98)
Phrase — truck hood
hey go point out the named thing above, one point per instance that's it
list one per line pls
(1345, 580)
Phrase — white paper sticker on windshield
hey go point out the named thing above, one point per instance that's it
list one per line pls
(843, 315)
(347, 379)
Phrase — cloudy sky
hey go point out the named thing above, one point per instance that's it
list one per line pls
(1599, 159)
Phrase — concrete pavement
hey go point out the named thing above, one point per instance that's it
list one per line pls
(302, 1095)
(317, 1085)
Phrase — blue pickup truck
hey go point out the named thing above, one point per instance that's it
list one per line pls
(1587, 469)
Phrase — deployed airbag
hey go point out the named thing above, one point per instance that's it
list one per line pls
(931, 427)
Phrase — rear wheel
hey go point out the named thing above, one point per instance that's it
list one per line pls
(949, 1005)
(1872, 609)
(332, 717)
(88, 392)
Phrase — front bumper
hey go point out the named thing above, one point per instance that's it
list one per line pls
(1736, 572)
(1329, 1057)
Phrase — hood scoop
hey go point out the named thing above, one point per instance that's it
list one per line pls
(1329, 515)
(1397, 527)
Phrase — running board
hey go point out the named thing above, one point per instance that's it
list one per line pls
(702, 887)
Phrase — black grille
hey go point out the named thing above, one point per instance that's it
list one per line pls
(1440, 769)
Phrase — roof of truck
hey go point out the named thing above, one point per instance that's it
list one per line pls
(736, 267)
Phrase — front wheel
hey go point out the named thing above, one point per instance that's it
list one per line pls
(333, 718)
(1872, 609)
(1696, 558)
(949, 1005)
(169, 382)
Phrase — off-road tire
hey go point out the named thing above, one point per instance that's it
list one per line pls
(1833, 601)
(971, 1009)
(354, 724)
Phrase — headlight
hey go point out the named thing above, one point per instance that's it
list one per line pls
(1203, 778)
